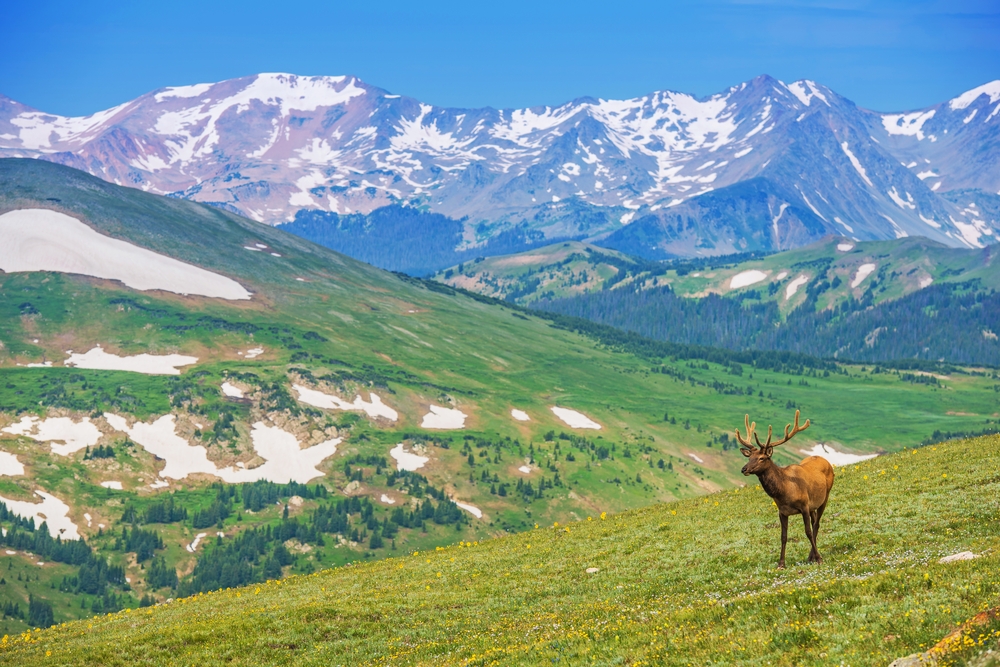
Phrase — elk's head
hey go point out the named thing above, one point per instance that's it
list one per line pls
(760, 455)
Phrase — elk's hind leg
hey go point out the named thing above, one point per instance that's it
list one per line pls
(813, 552)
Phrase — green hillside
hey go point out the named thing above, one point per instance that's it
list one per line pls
(690, 582)
(902, 266)
(908, 299)
(335, 325)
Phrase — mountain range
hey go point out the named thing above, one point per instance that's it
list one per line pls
(761, 166)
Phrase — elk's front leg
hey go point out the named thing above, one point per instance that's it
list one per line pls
(784, 539)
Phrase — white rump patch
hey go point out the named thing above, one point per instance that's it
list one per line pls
(836, 458)
(520, 415)
(864, 271)
(746, 278)
(373, 407)
(794, 286)
(74, 435)
(407, 460)
(574, 419)
(51, 510)
(443, 418)
(150, 364)
(43, 240)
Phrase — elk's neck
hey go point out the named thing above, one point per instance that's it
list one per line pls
(771, 478)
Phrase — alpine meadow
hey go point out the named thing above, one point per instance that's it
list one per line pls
(297, 371)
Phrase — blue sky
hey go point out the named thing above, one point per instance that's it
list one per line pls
(80, 57)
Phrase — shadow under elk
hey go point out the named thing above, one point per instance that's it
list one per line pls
(802, 488)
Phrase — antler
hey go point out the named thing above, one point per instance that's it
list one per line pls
(788, 436)
(750, 433)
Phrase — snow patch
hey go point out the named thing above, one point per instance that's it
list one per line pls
(857, 163)
(149, 364)
(443, 418)
(794, 286)
(520, 415)
(231, 391)
(74, 435)
(9, 465)
(834, 457)
(781, 276)
(845, 247)
(284, 460)
(44, 240)
(863, 272)
(925, 281)
(907, 124)
(51, 510)
(373, 407)
(746, 278)
(194, 545)
(407, 460)
(991, 89)
(471, 509)
(117, 486)
(695, 457)
(574, 419)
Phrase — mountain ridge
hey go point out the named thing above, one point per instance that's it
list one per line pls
(271, 145)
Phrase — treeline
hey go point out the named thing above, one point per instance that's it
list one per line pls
(94, 577)
(942, 322)
(259, 554)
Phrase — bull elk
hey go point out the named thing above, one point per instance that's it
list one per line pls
(802, 488)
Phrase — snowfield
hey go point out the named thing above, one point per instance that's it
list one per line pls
(864, 271)
(443, 418)
(37, 239)
(150, 364)
(51, 510)
(407, 460)
(117, 486)
(231, 391)
(794, 286)
(471, 509)
(284, 459)
(10, 466)
(74, 435)
(834, 457)
(373, 407)
(520, 415)
(574, 419)
(746, 278)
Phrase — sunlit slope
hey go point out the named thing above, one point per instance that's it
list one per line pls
(901, 266)
(691, 582)
(433, 346)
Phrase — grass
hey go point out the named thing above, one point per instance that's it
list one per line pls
(690, 582)
(415, 344)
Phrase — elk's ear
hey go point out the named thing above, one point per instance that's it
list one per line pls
(747, 452)
(767, 451)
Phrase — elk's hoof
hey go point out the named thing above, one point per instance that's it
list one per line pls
(781, 566)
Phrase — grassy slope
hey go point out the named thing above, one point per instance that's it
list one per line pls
(901, 265)
(691, 582)
(424, 346)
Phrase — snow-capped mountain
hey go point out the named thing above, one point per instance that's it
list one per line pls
(762, 165)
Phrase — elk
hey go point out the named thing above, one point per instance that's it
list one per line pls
(802, 488)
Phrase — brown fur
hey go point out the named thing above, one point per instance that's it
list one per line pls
(802, 488)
